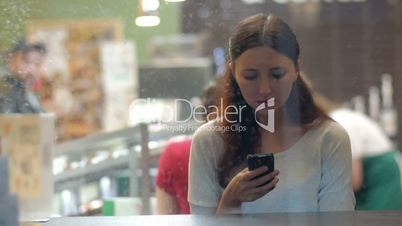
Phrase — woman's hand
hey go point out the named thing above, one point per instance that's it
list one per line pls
(244, 188)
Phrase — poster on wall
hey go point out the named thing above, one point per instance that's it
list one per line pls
(120, 82)
(20, 142)
(27, 141)
(72, 87)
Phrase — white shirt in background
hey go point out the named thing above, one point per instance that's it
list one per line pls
(366, 136)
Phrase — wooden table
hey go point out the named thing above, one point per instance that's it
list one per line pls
(358, 218)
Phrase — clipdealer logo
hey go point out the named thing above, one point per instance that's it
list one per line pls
(270, 126)
(148, 110)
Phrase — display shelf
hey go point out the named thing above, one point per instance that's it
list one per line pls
(93, 157)
(100, 168)
(100, 139)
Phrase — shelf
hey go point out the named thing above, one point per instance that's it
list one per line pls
(100, 139)
(104, 166)
(119, 163)
(141, 146)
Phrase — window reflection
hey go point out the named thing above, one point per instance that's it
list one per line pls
(90, 63)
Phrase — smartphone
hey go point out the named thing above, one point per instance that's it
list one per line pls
(255, 161)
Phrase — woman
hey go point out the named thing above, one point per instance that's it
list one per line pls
(312, 153)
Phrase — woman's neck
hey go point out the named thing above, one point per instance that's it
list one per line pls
(279, 118)
(285, 134)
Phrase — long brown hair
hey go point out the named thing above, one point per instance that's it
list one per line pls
(254, 31)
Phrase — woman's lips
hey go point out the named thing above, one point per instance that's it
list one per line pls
(262, 102)
(266, 102)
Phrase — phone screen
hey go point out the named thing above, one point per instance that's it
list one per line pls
(255, 161)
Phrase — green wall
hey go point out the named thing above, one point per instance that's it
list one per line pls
(15, 13)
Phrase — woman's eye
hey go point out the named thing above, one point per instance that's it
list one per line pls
(278, 73)
(250, 74)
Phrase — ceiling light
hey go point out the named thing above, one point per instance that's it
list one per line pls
(147, 21)
(250, 2)
(147, 13)
(175, 0)
(149, 5)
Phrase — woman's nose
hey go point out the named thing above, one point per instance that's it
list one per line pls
(265, 87)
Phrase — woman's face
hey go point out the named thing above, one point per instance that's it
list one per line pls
(263, 73)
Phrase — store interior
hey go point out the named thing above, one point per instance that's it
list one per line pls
(111, 78)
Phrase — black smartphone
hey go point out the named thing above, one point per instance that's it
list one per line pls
(255, 161)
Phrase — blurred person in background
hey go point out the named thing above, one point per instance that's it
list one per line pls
(376, 175)
(172, 177)
(17, 87)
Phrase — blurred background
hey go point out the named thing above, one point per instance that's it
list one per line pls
(102, 56)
